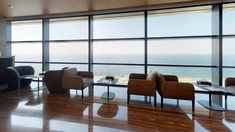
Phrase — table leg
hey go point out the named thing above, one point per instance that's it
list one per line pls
(38, 84)
(108, 92)
(210, 105)
(108, 95)
(210, 98)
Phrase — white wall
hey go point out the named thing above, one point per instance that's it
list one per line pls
(3, 46)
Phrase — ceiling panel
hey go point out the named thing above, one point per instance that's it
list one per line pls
(48, 7)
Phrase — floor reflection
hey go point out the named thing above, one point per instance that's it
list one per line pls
(41, 111)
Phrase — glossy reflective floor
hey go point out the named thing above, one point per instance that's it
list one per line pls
(24, 111)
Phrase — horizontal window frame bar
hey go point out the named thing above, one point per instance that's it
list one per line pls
(229, 67)
(228, 35)
(118, 64)
(28, 62)
(17, 42)
(129, 64)
(83, 63)
(121, 39)
(183, 37)
(117, 39)
(174, 65)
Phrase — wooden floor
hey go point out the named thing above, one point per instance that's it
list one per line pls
(24, 111)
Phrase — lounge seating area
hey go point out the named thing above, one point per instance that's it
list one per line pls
(117, 65)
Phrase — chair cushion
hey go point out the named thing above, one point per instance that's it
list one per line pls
(70, 72)
(150, 76)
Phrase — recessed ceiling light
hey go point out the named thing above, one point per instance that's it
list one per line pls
(11, 6)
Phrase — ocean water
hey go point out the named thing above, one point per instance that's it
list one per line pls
(188, 74)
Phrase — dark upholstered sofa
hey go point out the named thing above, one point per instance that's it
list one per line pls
(15, 76)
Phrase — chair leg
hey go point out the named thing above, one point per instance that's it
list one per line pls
(128, 97)
(161, 102)
(177, 102)
(62, 92)
(82, 93)
(226, 105)
(76, 92)
(155, 100)
(193, 105)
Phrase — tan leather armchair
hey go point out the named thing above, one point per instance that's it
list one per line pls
(230, 84)
(169, 87)
(138, 85)
(78, 80)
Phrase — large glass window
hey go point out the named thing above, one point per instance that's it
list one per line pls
(71, 45)
(180, 22)
(125, 25)
(122, 53)
(69, 52)
(69, 28)
(119, 52)
(26, 30)
(188, 49)
(180, 51)
(228, 41)
(28, 52)
(228, 51)
(228, 19)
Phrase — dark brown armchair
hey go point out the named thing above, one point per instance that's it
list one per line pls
(76, 80)
(169, 87)
(138, 85)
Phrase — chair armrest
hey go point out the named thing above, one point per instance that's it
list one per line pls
(141, 87)
(178, 90)
(171, 78)
(230, 81)
(137, 76)
(85, 74)
(72, 82)
(12, 78)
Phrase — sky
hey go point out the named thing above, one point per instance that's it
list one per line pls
(183, 24)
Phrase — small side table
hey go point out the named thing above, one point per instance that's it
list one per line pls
(38, 78)
(107, 82)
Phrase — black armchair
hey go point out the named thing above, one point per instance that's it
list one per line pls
(15, 76)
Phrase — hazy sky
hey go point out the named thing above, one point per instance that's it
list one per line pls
(183, 24)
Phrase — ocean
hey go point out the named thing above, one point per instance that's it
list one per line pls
(187, 74)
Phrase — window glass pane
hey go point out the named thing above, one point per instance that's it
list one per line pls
(118, 71)
(26, 30)
(228, 51)
(185, 74)
(119, 52)
(229, 19)
(37, 66)
(80, 67)
(180, 51)
(69, 52)
(69, 28)
(125, 25)
(180, 22)
(27, 51)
